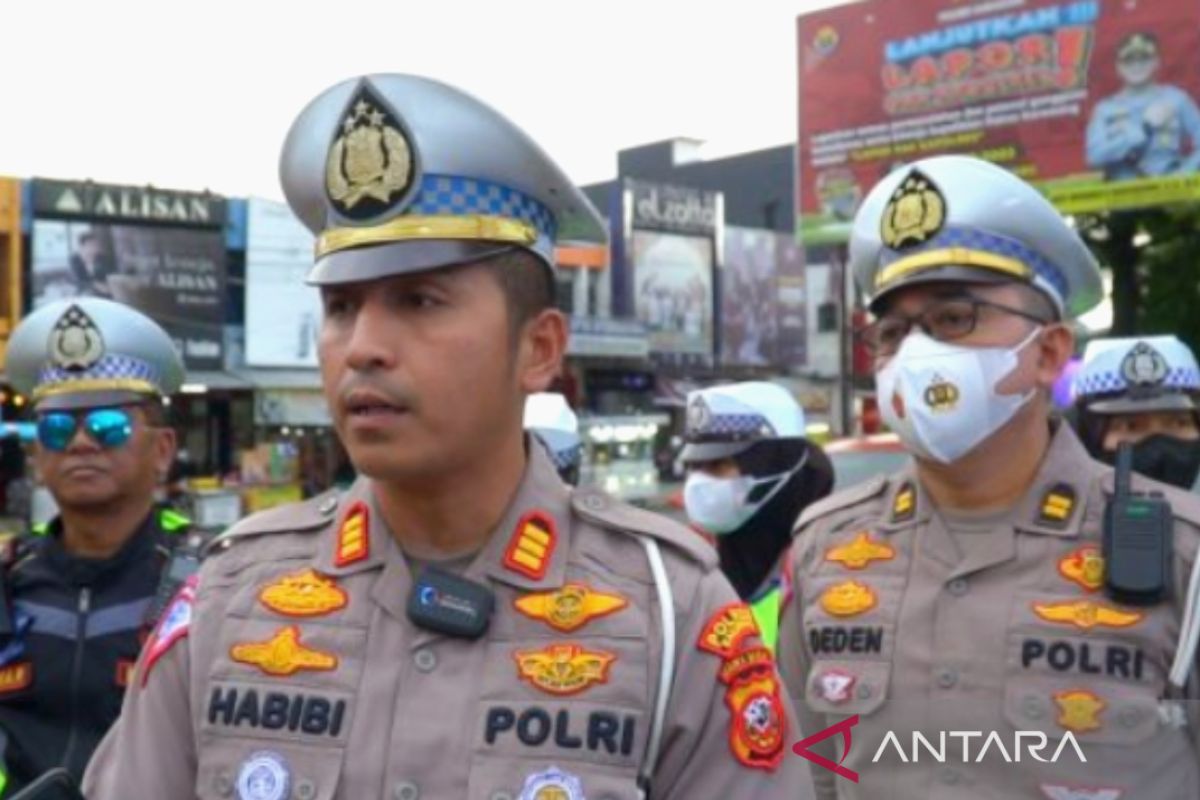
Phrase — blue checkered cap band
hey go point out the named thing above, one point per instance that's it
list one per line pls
(975, 239)
(111, 366)
(1179, 379)
(730, 428)
(453, 196)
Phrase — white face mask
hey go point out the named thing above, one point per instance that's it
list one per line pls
(720, 505)
(1137, 73)
(941, 398)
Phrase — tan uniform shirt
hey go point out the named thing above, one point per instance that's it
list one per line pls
(302, 675)
(913, 628)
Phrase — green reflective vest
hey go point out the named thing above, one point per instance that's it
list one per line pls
(766, 614)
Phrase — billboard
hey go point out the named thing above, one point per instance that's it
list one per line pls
(282, 311)
(176, 276)
(1094, 101)
(762, 299)
(670, 237)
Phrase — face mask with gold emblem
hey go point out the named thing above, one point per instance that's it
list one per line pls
(941, 398)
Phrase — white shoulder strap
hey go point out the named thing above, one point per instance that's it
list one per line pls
(666, 670)
(1189, 630)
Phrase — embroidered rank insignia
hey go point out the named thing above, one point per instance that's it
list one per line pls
(283, 654)
(1057, 506)
(571, 607)
(303, 594)
(758, 724)
(1079, 710)
(859, 553)
(1085, 614)
(1059, 792)
(745, 661)
(848, 599)
(174, 624)
(532, 545)
(904, 505)
(726, 629)
(16, 677)
(563, 669)
(354, 541)
(1084, 567)
(835, 686)
(552, 784)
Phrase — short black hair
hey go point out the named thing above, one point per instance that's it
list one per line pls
(527, 284)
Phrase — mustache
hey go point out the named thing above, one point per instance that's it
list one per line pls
(358, 389)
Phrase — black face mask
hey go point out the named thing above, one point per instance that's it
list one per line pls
(1164, 458)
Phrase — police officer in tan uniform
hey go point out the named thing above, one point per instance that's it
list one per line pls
(460, 623)
(967, 600)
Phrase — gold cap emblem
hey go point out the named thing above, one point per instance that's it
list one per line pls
(370, 164)
(75, 342)
(915, 213)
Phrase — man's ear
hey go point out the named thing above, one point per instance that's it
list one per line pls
(542, 347)
(164, 449)
(1056, 345)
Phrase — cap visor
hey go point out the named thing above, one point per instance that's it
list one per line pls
(1173, 401)
(950, 273)
(400, 258)
(713, 451)
(75, 400)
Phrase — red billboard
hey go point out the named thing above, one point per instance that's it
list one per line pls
(1094, 101)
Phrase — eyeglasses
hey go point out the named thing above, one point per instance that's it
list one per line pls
(108, 427)
(944, 320)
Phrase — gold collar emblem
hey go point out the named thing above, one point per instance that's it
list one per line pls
(303, 594)
(915, 213)
(571, 607)
(283, 654)
(563, 669)
(370, 163)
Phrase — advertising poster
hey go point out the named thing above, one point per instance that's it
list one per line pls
(673, 293)
(762, 300)
(1094, 101)
(176, 276)
(282, 311)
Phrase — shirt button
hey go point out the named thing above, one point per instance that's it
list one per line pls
(328, 506)
(1129, 717)
(947, 679)
(406, 790)
(305, 789)
(957, 587)
(425, 659)
(223, 784)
